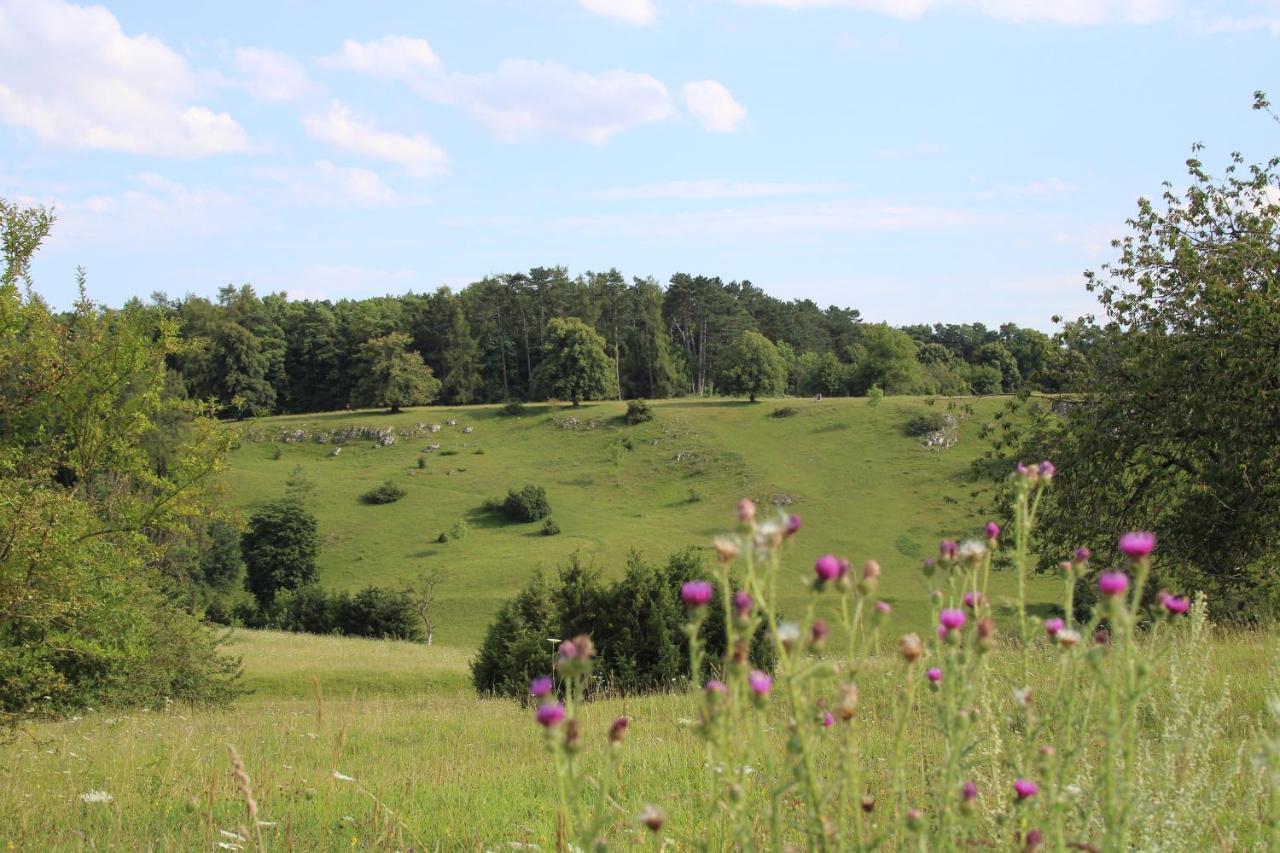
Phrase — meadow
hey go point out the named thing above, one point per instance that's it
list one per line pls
(862, 486)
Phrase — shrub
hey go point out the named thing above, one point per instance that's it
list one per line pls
(388, 493)
(374, 612)
(638, 411)
(512, 409)
(925, 423)
(784, 412)
(422, 462)
(550, 528)
(527, 504)
(279, 549)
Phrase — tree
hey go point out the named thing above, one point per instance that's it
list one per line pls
(239, 370)
(279, 549)
(220, 561)
(1174, 429)
(460, 358)
(752, 366)
(574, 364)
(393, 376)
(422, 594)
(888, 359)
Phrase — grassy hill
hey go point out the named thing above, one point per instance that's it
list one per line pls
(864, 488)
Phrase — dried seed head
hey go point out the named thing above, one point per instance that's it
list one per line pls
(910, 647)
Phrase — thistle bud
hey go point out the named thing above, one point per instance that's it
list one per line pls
(910, 647)
(653, 818)
(868, 803)
(848, 706)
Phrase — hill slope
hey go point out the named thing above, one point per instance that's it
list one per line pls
(863, 487)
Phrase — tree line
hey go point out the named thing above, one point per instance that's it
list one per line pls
(488, 342)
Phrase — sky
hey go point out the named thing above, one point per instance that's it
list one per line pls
(919, 160)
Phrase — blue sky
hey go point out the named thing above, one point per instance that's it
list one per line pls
(920, 160)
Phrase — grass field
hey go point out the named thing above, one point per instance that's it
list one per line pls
(863, 487)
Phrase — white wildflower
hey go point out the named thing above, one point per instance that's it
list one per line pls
(96, 797)
(343, 777)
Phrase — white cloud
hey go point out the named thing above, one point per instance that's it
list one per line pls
(417, 154)
(715, 189)
(1071, 12)
(1230, 24)
(362, 186)
(272, 75)
(390, 58)
(73, 78)
(711, 103)
(521, 99)
(327, 184)
(639, 12)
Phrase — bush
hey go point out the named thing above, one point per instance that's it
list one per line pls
(373, 612)
(458, 530)
(513, 409)
(528, 504)
(784, 412)
(550, 528)
(388, 493)
(422, 462)
(925, 423)
(279, 549)
(638, 411)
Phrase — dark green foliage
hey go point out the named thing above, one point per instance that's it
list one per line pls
(550, 528)
(638, 412)
(220, 561)
(372, 612)
(635, 622)
(391, 375)
(527, 504)
(925, 423)
(751, 365)
(422, 462)
(387, 493)
(513, 408)
(574, 365)
(784, 412)
(279, 549)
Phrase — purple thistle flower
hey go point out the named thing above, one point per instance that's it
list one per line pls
(827, 567)
(759, 682)
(696, 593)
(1053, 626)
(951, 619)
(549, 715)
(1175, 604)
(1113, 583)
(793, 525)
(1047, 469)
(971, 600)
(1137, 545)
(947, 549)
(541, 686)
(942, 632)
(742, 604)
(969, 792)
(715, 685)
(1025, 788)
(819, 631)
(828, 719)
(1082, 555)
(934, 674)
(884, 607)
(993, 530)
(746, 511)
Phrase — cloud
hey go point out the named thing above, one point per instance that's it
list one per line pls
(74, 79)
(324, 183)
(714, 189)
(271, 75)
(638, 12)
(522, 99)
(907, 152)
(1070, 12)
(417, 154)
(711, 103)
(389, 58)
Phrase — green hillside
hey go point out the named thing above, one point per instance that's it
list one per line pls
(864, 488)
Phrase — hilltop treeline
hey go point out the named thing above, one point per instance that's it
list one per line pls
(264, 354)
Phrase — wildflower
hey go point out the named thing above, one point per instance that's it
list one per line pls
(697, 593)
(1023, 696)
(993, 532)
(868, 803)
(1028, 472)
(715, 686)
(96, 797)
(1137, 545)
(572, 735)
(1047, 470)
(1101, 637)
(971, 551)
(1053, 626)
(910, 647)
(969, 792)
(870, 576)
(768, 536)
(551, 714)
(1068, 638)
(575, 656)
(884, 608)
(1175, 604)
(788, 634)
(818, 633)
(343, 777)
(973, 599)
(653, 818)
(742, 604)
(793, 524)
(1033, 840)
(828, 719)
(929, 567)
(726, 548)
(1082, 555)
(947, 549)
(915, 820)
(848, 705)
(746, 511)
(1113, 583)
(827, 568)
(934, 675)
(618, 729)
(541, 686)
(760, 683)
(1025, 788)
(986, 628)
(952, 619)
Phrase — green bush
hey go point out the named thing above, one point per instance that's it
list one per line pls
(925, 423)
(388, 493)
(527, 504)
(422, 462)
(638, 411)
(512, 409)
(373, 612)
(279, 549)
(550, 528)
(784, 412)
